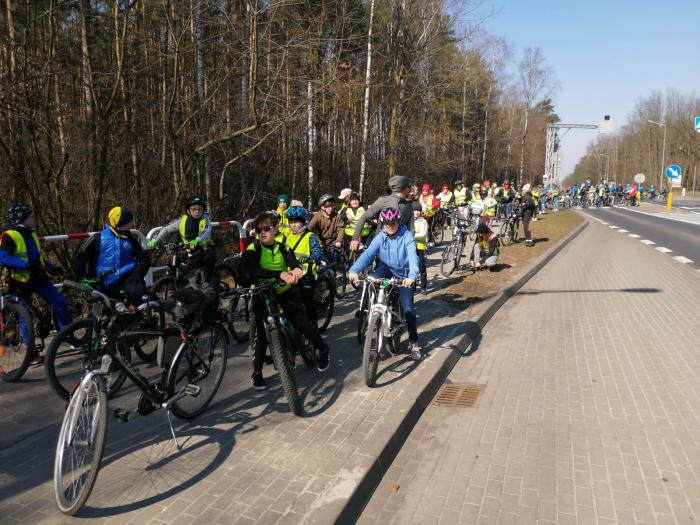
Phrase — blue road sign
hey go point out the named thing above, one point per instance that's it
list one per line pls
(697, 124)
(673, 171)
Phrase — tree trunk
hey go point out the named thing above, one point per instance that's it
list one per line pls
(522, 147)
(310, 136)
(365, 109)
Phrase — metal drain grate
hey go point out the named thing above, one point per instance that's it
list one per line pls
(462, 395)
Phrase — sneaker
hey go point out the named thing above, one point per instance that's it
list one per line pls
(415, 352)
(324, 360)
(258, 381)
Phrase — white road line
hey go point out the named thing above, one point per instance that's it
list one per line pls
(612, 227)
(622, 231)
(663, 249)
(648, 242)
(634, 235)
(603, 223)
(682, 259)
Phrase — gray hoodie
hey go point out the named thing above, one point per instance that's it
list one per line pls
(386, 201)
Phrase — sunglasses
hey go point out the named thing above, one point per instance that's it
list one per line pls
(391, 223)
(267, 228)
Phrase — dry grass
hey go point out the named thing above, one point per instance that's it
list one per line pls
(467, 288)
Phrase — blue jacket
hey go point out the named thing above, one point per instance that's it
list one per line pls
(398, 253)
(116, 253)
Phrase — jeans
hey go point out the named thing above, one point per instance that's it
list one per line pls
(555, 203)
(406, 298)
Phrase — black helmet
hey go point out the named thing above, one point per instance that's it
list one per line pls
(325, 198)
(195, 200)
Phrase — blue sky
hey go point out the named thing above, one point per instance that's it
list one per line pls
(606, 55)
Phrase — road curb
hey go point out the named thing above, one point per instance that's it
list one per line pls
(460, 340)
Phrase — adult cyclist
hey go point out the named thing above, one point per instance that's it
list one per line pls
(396, 248)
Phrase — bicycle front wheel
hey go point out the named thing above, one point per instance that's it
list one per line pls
(73, 351)
(80, 446)
(437, 231)
(285, 369)
(374, 344)
(16, 341)
(449, 259)
(341, 278)
(202, 364)
(324, 299)
(505, 234)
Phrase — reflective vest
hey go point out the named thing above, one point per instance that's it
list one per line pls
(505, 193)
(445, 199)
(116, 253)
(485, 246)
(284, 223)
(23, 276)
(460, 196)
(421, 235)
(200, 228)
(352, 216)
(271, 259)
(300, 244)
(426, 202)
(535, 196)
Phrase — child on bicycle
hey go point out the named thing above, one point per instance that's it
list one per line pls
(267, 260)
(396, 248)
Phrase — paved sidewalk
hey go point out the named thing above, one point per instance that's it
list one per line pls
(590, 412)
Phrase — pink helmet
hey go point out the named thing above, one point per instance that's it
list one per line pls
(389, 215)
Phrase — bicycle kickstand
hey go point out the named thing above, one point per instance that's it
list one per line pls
(172, 430)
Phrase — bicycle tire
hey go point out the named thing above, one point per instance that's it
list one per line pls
(394, 342)
(505, 234)
(73, 353)
(197, 366)
(326, 308)
(372, 349)
(163, 287)
(285, 369)
(70, 500)
(515, 230)
(362, 319)
(239, 320)
(147, 349)
(437, 231)
(353, 259)
(448, 262)
(15, 354)
(341, 276)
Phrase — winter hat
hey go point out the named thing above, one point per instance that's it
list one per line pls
(282, 197)
(344, 193)
(399, 183)
(17, 214)
(119, 217)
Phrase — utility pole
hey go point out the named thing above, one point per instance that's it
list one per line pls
(663, 155)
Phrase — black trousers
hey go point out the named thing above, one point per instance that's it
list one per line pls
(423, 268)
(294, 309)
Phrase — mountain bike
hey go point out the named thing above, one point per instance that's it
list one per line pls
(508, 233)
(441, 221)
(463, 229)
(72, 351)
(323, 288)
(193, 359)
(385, 322)
(339, 261)
(236, 306)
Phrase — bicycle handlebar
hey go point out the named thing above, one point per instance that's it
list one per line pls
(88, 291)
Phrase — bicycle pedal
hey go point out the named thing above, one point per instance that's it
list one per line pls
(192, 390)
(121, 414)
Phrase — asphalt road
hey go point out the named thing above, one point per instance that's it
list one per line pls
(683, 239)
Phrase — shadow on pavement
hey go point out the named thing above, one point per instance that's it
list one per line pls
(612, 290)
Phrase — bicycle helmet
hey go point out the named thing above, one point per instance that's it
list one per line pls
(194, 201)
(487, 183)
(297, 213)
(459, 183)
(325, 198)
(426, 187)
(476, 186)
(389, 215)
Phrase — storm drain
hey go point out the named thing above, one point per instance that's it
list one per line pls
(460, 395)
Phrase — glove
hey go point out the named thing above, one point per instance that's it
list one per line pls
(152, 244)
(195, 243)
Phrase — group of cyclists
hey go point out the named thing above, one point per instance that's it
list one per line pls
(287, 248)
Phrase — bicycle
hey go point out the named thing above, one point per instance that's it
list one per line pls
(463, 229)
(193, 359)
(509, 231)
(73, 350)
(338, 260)
(323, 287)
(236, 306)
(385, 322)
(440, 222)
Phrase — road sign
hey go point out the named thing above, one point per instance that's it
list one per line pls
(673, 171)
(676, 183)
(639, 178)
(697, 124)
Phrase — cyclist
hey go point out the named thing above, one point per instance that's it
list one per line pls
(460, 193)
(307, 250)
(352, 214)
(114, 256)
(430, 206)
(399, 188)
(486, 248)
(421, 237)
(327, 224)
(445, 197)
(489, 213)
(476, 193)
(486, 189)
(396, 248)
(194, 227)
(21, 252)
(344, 198)
(267, 260)
(282, 205)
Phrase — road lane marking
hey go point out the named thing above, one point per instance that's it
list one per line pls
(663, 249)
(603, 223)
(648, 242)
(612, 227)
(682, 259)
(634, 235)
(622, 231)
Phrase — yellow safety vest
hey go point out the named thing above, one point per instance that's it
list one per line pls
(284, 223)
(300, 243)
(271, 259)
(427, 204)
(460, 196)
(421, 228)
(352, 217)
(445, 199)
(23, 276)
(535, 196)
(201, 227)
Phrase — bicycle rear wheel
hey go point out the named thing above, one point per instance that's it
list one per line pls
(448, 264)
(147, 348)
(437, 230)
(285, 368)
(374, 344)
(16, 347)
(325, 302)
(80, 446)
(203, 364)
(73, 351)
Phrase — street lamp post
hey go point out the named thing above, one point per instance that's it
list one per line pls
(663, 154)
(607, 166)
